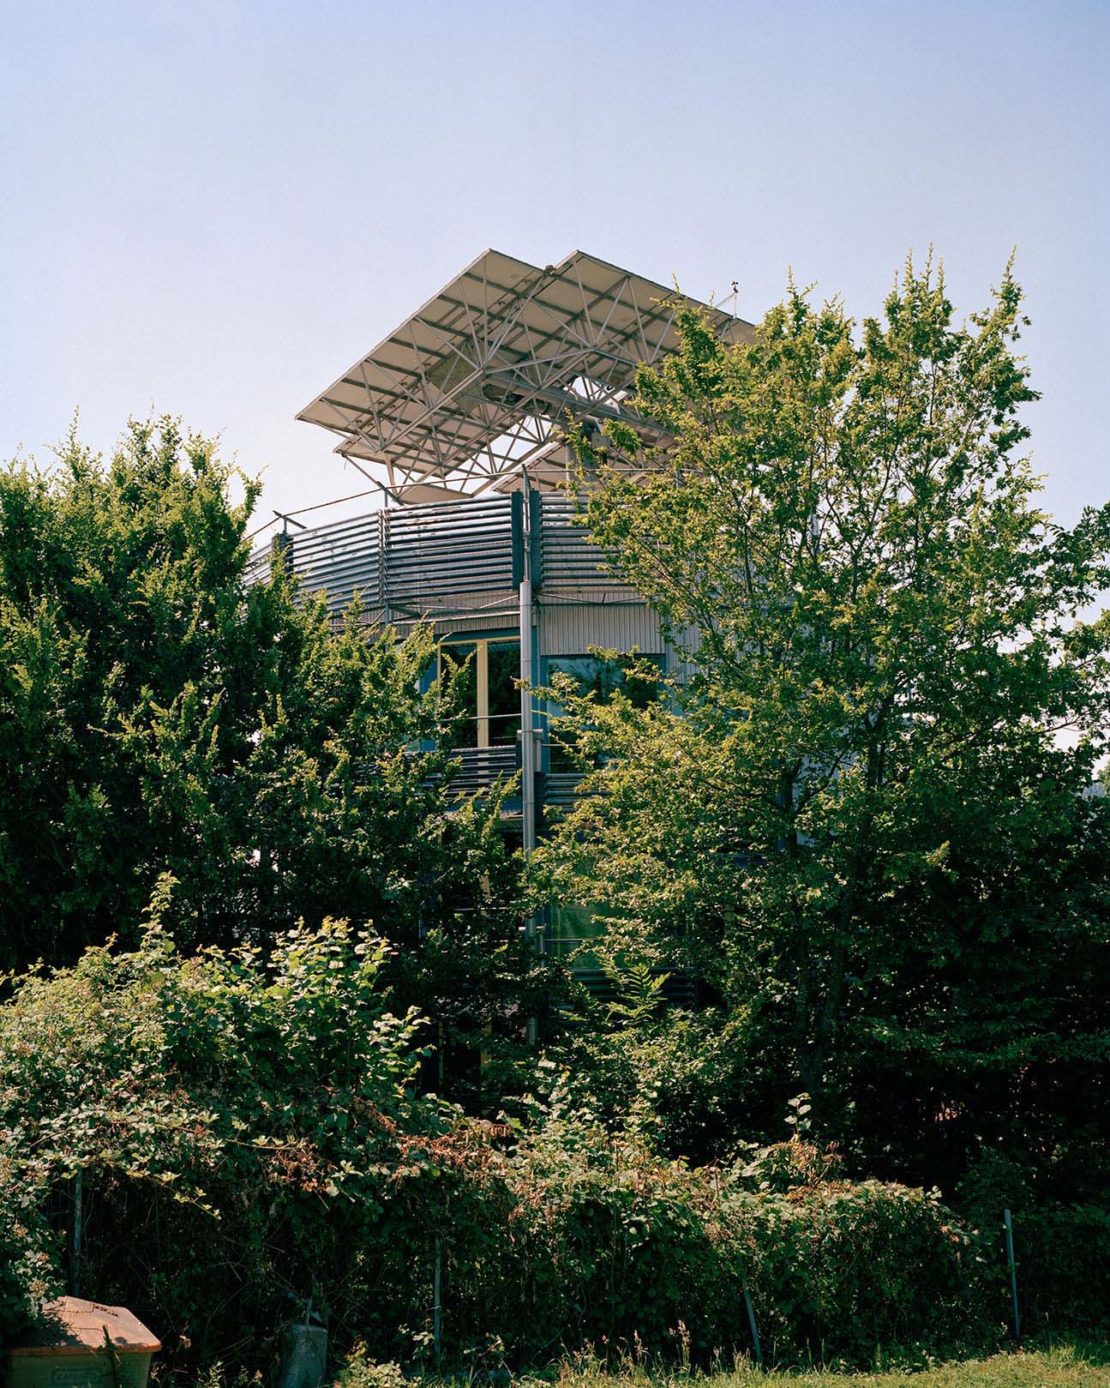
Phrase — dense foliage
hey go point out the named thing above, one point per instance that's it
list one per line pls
(861, 818)
(247, 1131)
(176, 739)
(278, 1050)
(165, 721)
(213, 1103)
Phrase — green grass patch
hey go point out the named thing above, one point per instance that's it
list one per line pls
(1061, 1367)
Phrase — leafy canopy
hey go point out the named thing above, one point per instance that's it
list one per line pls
(184, 739)
(169, 727)
(859, 814)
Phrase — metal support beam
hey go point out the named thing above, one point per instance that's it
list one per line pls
(527, 722)
(527, 725)
(481, 679)
(477, 382)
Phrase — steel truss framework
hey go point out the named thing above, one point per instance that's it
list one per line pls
(475, 386)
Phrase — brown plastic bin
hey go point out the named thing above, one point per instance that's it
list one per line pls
(82, 1344)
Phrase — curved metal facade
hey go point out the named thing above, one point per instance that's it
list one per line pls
(452, 564)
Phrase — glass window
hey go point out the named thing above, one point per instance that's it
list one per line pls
(503, 695)
(571, 927)
(491, 699)
(594, 675)
(455, 657)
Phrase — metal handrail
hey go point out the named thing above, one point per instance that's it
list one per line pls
(440, 559)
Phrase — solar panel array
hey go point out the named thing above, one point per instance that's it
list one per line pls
(478, 383)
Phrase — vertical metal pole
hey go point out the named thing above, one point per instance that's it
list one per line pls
(527, 737)
(78, 1219)
(527, 734)
(1013, 1272)
(387, 566)
(481, 680)
(281, 548)
(752, 1326)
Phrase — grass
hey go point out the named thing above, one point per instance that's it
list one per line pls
(1062, 1367)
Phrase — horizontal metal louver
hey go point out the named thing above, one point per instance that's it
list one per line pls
(443, 559)
(570, 558)
(423, 560)
(480, 767)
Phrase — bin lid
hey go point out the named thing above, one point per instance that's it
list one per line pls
(73, 1326)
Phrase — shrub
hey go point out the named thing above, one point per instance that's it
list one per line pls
(840, 1270)
(1063, 1256)
(28, 1272)
(248, 1129)
(361, 1371)
(605, 1244)
(252, 1110)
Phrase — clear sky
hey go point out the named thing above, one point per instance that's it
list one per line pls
(212, 209)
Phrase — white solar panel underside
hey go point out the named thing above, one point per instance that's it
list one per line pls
(477, 382)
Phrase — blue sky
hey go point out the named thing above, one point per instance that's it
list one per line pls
(211, 209)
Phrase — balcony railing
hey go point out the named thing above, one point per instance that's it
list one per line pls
(481, 767)
(446, 559)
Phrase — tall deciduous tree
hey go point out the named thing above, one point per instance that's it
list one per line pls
(177, 739)
(862, 820)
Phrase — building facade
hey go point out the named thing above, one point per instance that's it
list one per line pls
(458, 419)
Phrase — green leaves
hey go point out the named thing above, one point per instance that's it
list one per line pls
(864, 804)
(162, 717)
(200, 1079)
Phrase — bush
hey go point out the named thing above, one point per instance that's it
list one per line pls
(254, 1112)
(605, 1244)
(1063, 1257)
(248, 1130)
(28, 1272)
(361, 1371)
(843, 1270)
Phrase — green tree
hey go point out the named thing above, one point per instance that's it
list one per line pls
(861, 820)
(177, 738)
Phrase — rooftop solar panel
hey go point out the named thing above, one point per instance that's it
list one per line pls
(477, 383)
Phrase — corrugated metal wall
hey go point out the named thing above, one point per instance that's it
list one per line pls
(568, 559)
(452, 563)
(572, 628)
